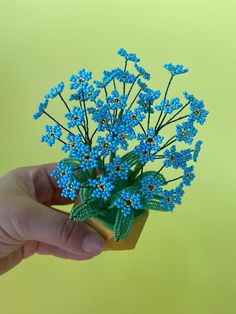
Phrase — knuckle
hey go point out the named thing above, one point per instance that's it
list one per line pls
(67, 230)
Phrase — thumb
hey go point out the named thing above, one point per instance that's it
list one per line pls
(52, 226)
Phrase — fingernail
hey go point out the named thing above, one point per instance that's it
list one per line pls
(92, 243)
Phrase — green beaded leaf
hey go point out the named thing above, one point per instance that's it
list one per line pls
(84, 211)
(132, 189)
(122, 225)
(100, 165)
(112, 199)
(119, 185)
(85, 194)
(153, 204)
(71, 162)
(131, 158)
(79, 174)
(147, 174)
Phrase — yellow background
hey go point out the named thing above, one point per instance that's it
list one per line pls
(185, 261)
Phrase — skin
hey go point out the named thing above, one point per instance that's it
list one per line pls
(29, 224)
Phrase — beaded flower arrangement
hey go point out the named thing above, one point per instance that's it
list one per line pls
(112, 133)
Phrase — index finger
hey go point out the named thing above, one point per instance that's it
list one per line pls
(41, 185)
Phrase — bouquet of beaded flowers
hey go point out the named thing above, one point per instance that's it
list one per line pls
(113, 132)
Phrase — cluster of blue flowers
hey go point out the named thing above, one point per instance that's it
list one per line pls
(67, 182)
(110, 114)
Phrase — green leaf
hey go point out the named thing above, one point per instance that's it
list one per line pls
(100, 164)
(153, 204)
(79, 174)
(84, 211)
(72, 162)
(85, 194)
(149, 173)
(131, 158)
(132, 189)
(123, 225)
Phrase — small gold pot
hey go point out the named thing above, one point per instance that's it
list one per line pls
(110, 244)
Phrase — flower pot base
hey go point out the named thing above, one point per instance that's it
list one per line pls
(127, 244)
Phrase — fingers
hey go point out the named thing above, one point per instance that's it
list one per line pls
(53, 227)
(77, 238)
(46, 188)
(10, 261)
(31, 247)
(40, 185)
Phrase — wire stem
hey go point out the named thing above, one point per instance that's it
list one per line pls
(159, 171)
(58, 122)
(93, 134)
(131, 87)
(114, 83)
(142, 128)
(134, 99)
(126, 61)
(63, 100)
(166, 92)
(166, 182)
(61, 141)
(167, 123)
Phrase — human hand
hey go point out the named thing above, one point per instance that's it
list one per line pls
(29, 225)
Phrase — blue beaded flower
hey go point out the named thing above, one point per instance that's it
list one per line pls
(91, 93)
(85, 93)
(106, 145)
(73, 145)
(188, 175)
(88, 158)
(151, 186)
(128, 56)
(127, 201)
(185, 132)
(62, 170)
(177, 159)
(122, 135)
(175, 69)
(133, 117)
(116, 100)
(197, 150)
(55, 91)
(103, 187)
(124, 76)
(144, 154)
(75, 117)
(179, 189)
(198, 113)
(142, 72)
(53, 133)
(190, 97)
(41, 107)
(143, 86)
(147, 99)
(108, 76)
(170, 198)
(69, 187)
(118, 169)
(168, 106)
(81, 79)
(150, 140)
(101, 115)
